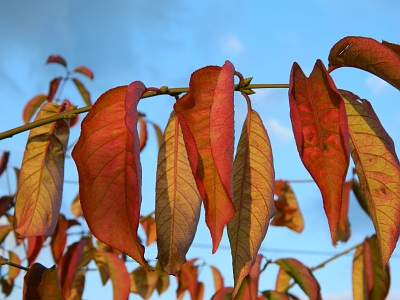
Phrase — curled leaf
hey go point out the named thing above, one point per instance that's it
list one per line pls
(343, 230)
(56, 59)
(32, 106)
(4, 161)
(143, 282)
(143, 132)
(85, 71)
(54, 84)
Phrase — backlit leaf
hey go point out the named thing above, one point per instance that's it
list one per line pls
(393, 47)
(223, 294)
(282, 280)
(59, 237)
(159, 133)
(78, 286)
(206, 116)
(378, 170)
(83, 91)
(4, 161)
(4, 231)
(118, 273)
(32, 106)
(107, 158)
(369, 55)
(143, 133)
(54, 84)
(177, 200)
(69, 264)
(149, 226)
(343, 230)
(253, 182)
(320, 129)
(42, 283)
(287, 208)
(275, 295)
(163, 279)
(218, 279)
(188, 281)
(249, 286)
(35, 244)
(302, 276)
(76, 207)
(56, 59)
(85, 71)
(41, 178)
(143, 282)
(13, 271)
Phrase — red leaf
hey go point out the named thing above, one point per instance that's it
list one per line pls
(343, 230)
(187, 280)
(206, 116)
(223, 294)
(149, 226)
(320, 129)
(59, 237)
(56, 59)
(85, 71)
(35, 244)
(369, 55)
(5, 204)
(54, 84)
(143, 133)
(69, 266)
(32, 106)
(249, 288)
(82, 90)
(4, 161)
(42, 283)
(107, 158)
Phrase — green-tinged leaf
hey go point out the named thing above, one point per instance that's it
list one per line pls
(378, 170)
(32, 106)
(143, 132)
(188, 281)
(302, 276)
(369, 55)
(275, 295)
(4, 231)
(83, 91)
(287, 208)
(320, 129)
(149, 227)
(206, 116)
(249, 286)
(59, 237)
(143, 282)
(223, 294)
(78, 286)
(42, 283)
(107, 158)
(177, 200)
(253, 181)
(358, 192)
(343, 230)
(218, 279)
(118, 274)
(85, 71)
(54, 84)
(4, 161)
(57, 59)
(41, 178)
(163, 279)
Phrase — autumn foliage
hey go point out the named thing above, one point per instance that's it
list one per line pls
(199, 165)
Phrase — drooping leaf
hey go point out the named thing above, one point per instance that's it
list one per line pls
(249, 286)
(302, 276)
(358, 192)
(370, 280)
(107, 158)
(35, 244)
(54, 84)
(343, 230)
(159, 133)
(83, 91)
(253, 182)
(392, 46)
(282, 280)
(143, 282)
(85, 71)
(378, 170)
(4, 231)
(223, 294)
(13, 271)
(6, 286)
(42, 283)
(320, 129)
(56, 59)
(118, 274)
(68, 266)
(177, 200)
(206, 116)
(32, 106)
(287, 208)
(78, 286)
(188, 281)
(76, 207)
(369, 55)
(149, 226)
(163, 279)
(41, 178)
(143, 133)
(218, 279)
(6, 203)
(275, 295)
(59, 237)
(4, 161)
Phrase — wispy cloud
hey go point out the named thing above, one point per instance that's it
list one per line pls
(376, 84)
(231, 44)
(279, 131)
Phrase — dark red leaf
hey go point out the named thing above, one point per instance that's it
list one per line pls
(56, 59)
(59, 237)
(35, 244)
(85, 71)
(42, 283)
(4, 161)
(54, 84)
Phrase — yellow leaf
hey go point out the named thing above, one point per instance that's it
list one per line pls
(253, 181)
(143, 282)
(177, 200)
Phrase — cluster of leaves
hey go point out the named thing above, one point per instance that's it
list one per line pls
(197, 165)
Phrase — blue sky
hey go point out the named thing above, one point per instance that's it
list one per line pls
(162, 43)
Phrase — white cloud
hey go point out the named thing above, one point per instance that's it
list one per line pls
(279, 131)
(231, 44)
(376, 84)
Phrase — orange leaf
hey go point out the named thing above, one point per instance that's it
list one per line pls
(187, 280)
(107, 158)
(35, 244)
(320, 129)
(393, 47)
(223, 294)
(369, 55)
(369, 280)
(143, 282)
(206, 116)
(302, 276)
(275, 295)
(69, 264)
(287, 209)
(282, 280)
(42, 283)
(76, 207)
(59, 237)
(218, 279)
(4, 161)
(143, 133)
(41, 178)
(4, 231)
(159, 133)
(13, 271)
(83, 91)
(56, 59)
(78, 286)
(54, 84)
(117, 270)
(85, 71)
(253, 182)
(378, 169)
(177, 200)
(32, 106)
(343, 230)
(149, 226)
(249, 286)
